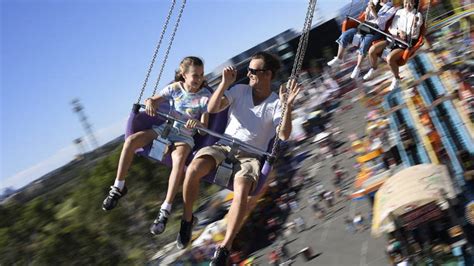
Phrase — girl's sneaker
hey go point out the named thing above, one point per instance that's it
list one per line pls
(112, 199)
(159, 224)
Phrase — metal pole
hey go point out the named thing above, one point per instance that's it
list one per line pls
(215, 134)
(379, 31)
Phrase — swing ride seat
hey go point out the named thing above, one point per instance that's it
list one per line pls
(139, 121)
(410, 51)
(350, 24)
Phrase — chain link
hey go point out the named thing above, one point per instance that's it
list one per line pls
(427, 12)
(297, 64)
(169, 46)
(165, 26)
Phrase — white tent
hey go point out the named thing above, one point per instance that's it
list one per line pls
(408, 189)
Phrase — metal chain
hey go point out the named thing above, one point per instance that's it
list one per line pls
(165, 26)
(350, 9)
(297, 64)
(413, 25)
(169, 46)
(305, 41)
(427, 12)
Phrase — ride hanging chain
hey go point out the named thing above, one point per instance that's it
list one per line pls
(413, 26)
(165, 26)
(297, 64)
(169, 46)
(427, 13)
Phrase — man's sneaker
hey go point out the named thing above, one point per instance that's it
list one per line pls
(334, 62)
(355, 73)
(159, 224)
(112, 199)
(221, 257)
(394, 84)
(369, 74)
(185, 233)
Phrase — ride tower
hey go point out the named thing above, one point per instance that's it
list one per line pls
(79, 109)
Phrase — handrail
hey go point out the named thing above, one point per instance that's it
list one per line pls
(382, 32)
(215, 134)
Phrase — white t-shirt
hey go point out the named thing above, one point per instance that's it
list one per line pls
(187, 105)
(254, 125)
(384, 14)
(408, 22)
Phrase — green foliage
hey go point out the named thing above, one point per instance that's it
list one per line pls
(67, 226)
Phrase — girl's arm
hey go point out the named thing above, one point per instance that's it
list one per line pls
(370, 11)
(152, 103)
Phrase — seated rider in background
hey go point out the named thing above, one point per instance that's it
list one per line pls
(406, 25)
(377, 19)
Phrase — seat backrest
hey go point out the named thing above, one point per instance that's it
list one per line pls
(349, 23)
(410, 52)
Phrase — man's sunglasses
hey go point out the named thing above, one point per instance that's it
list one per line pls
(255, 71)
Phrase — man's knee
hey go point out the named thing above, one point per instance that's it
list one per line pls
(243, 186)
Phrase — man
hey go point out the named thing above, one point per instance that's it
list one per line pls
(254, 114)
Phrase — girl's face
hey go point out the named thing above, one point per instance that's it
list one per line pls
(409, 4)
(194, 77)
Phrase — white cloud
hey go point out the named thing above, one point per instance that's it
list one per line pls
(60, 158)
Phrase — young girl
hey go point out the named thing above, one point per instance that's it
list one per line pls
(190, 105)
(406, 25)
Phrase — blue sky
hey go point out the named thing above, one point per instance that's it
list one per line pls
(98, 51)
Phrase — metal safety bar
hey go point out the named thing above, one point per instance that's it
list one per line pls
(382, 32)
(215, 134)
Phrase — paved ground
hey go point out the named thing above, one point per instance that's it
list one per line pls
(329, 237)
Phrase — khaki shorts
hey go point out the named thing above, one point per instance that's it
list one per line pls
(246, 165)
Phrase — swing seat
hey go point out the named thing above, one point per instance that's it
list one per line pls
(350, 24)
(410, 52)
(264, 172)
(140, 121)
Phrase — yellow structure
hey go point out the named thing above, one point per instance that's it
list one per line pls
(372, 173)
